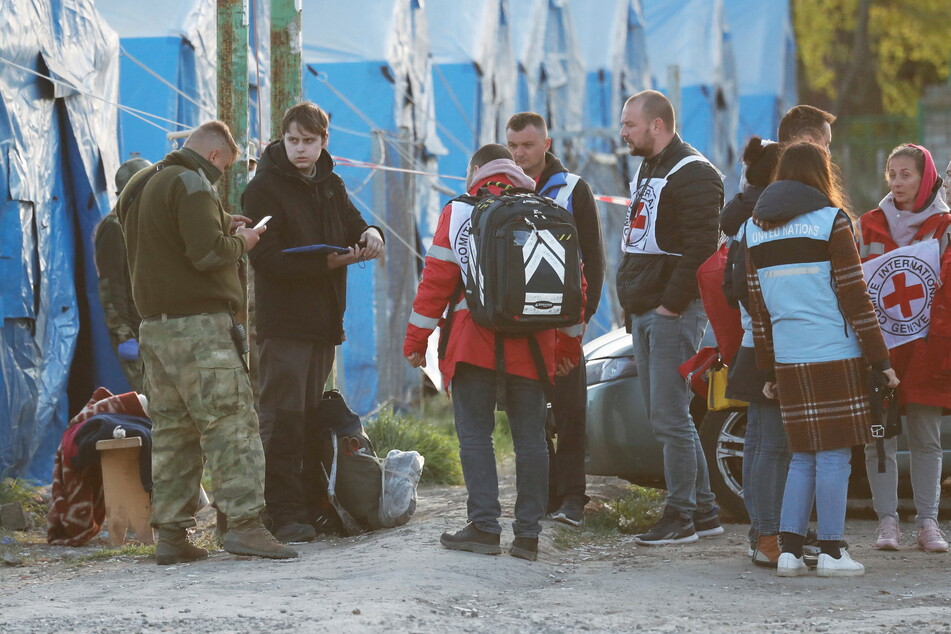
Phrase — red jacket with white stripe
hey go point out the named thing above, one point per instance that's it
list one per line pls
(922, 365)
(469, 342)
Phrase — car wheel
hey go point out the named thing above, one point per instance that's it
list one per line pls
(721, 436)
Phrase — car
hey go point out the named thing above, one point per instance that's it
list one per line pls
(620, 441)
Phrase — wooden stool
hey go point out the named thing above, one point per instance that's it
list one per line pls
(127, 503)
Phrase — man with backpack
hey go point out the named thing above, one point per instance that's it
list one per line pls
(527, 137)
(479, 363)
(671, 229)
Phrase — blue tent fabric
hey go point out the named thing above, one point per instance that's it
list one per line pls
(56, 146)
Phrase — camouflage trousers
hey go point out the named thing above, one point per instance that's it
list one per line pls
(202, 410)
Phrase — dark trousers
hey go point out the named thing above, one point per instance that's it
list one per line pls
(293, 374)
(566, 456)
(474, 400)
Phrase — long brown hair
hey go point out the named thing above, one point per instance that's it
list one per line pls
(811, 165)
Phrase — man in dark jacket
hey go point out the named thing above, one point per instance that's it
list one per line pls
(670, 230)
(300, 298)
(527, 137)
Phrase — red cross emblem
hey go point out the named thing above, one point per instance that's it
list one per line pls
(903, 295)
(640, 219)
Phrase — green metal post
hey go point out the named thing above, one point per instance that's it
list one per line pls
(285, 60)
(233, 21)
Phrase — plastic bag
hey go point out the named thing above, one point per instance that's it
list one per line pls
(401, 473)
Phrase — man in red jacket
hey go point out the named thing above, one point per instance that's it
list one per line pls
(469, 364)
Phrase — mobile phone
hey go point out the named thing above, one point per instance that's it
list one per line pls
(263, 222)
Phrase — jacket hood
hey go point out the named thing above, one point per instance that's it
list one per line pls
(782, 201)
(191, 159)
(903, 226)
(274, 157)
(553, 165)
(503, 170)
(738, 211)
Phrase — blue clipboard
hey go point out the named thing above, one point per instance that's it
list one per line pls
(316, 249)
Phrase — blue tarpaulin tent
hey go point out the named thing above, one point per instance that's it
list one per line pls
(764, 40)
(374, 78)
(57, 153)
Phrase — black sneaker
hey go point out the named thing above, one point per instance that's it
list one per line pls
(708, 524)
(525, 548)
(473, 540)
(570, 512)
(672, 528)
(811, 549)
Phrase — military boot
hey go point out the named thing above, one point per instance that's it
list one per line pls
(251, 538)
(173, 547)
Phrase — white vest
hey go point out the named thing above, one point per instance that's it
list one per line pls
(460, 220)
(640, 227)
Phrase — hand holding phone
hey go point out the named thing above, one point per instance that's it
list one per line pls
(263, 222)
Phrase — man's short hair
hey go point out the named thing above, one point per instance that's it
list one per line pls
(211, 134)
(309, 117)
(655, 105)
(488, 153)
(803, 119)
(519, 121)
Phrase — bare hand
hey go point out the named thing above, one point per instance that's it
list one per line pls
(892, 377)
(416, 359)
(251, 236)
(372, 245)
(666, 313)
(238, 221)
(564, 366)
(770, 390)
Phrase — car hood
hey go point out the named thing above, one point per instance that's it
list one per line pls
(617, 343)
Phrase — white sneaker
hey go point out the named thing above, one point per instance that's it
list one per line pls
(791, 566)
(844, 566)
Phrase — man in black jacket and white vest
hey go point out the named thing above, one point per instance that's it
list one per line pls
(300, 298)
(671, 228)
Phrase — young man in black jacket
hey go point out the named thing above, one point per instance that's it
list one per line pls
(300, 298)
(670, 230)
(527, 138)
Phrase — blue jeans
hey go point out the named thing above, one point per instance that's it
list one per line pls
(822, 478)
(661, 344)
(473, 401)
(765, 463)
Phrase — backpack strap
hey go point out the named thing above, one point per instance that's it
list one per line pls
(446, 328)
(135, 191)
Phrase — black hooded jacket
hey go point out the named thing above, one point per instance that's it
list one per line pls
(296, 296)
(585, 213)
(734, 214)
(687, 216)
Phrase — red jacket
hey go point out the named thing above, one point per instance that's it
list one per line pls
(922, 365)
(469, 342)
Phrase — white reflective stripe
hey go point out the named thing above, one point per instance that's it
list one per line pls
(421, 321)
(573, 331)
(544, 297)
(873, 248)
(462, 305)
(796, 270)
(565, 194)
(441, 253)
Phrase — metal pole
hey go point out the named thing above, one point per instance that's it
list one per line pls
(673, 93)
(285, 60)
(233, 21)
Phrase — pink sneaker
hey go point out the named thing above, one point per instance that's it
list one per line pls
(931, 539)
(888, 535)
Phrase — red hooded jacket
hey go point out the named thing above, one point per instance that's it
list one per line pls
(922, 365)
(469, 342)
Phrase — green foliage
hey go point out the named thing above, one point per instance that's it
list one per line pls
(16, 490)
(128, 550)
(434, 440)
(907, 48)
(632, 514)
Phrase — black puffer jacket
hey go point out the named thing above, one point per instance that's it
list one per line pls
(734, 214)
(687, 216)
(296, 296)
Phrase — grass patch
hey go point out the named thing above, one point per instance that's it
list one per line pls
(391, 430)
(25, 494)
(631, 514)
(137, 551)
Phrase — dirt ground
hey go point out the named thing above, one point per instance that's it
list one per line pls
(402, 580)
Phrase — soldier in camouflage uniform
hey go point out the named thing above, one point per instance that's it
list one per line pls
(115, 286)
(184, 252)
